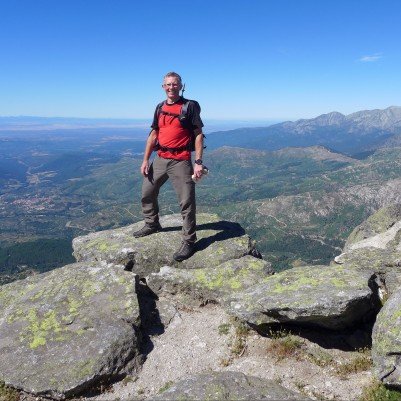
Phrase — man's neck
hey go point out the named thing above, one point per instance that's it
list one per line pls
(172, 101)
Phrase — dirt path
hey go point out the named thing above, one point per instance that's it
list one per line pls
(206, 339)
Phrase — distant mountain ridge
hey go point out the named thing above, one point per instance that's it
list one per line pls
(22, 123)
(359, 132)
(387, 119)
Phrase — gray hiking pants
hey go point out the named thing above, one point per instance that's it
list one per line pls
(180, 172)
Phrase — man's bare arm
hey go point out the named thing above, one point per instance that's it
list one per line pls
(150, 144)
(198, 152)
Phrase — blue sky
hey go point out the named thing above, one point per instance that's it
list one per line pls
(253, 60)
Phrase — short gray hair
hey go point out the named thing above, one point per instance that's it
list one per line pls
(173, 74)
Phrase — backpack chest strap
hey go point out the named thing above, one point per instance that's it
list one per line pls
(175, 150)
(167, 113)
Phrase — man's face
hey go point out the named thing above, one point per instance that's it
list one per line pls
(172, 87)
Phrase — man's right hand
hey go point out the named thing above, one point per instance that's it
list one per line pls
(145, 168)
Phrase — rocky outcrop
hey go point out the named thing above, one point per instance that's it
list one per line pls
(217, 283)
(218, 242)
(65, 331)
(374, 247)
(386, 342)
(227, 386)
(377, 231)
(329, 297)
(87, 317)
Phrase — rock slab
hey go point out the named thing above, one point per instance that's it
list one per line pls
(375, 246)
(64, 331)
(218, 242)
(386, 342)
(227, 386)
(329, 297)
(216, 284)
(378, 231)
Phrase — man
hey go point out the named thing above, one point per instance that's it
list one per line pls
(172, 134)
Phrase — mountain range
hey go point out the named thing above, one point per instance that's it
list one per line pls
(355, 134)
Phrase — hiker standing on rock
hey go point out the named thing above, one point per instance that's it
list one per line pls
(176, 132)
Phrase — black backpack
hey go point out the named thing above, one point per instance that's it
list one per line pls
(184, 123)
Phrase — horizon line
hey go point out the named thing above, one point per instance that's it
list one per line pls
(147, 119)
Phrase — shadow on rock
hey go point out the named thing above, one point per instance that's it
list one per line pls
(151, 323)
(345, 340)
(227, 230)
(352, 339)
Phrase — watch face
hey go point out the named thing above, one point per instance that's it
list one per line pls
(198, 161)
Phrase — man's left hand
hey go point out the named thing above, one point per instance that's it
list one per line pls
(198, 171)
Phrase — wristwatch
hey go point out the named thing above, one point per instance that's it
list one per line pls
(199, 161)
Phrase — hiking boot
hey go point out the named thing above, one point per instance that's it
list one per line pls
(147, 230)
(185, 251)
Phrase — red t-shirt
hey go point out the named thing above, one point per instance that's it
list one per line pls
(172, 134)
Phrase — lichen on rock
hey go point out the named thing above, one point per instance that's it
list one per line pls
(72, 317)
(215, 283)
(218, 242)
(386, 342)
(86, 316)
(378, 223)
(375, 247)
(329, 297)
(227, 386)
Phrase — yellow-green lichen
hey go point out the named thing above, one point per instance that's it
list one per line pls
(235, 284)
(73, 306)
(294, 284)
(396, 314)
(23, 290)
(130, 307)
(40, 329)
(17, 315)
(337, 282)
(102, 245)
(209, 281)
(129, 289)
(228, 276)
(38, 295)
(91, 288)
(61, 338)
(255, 264)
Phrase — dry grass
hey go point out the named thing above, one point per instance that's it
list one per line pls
(320, 357)
(166, 386)
(7, 393)
(224, 328)
(127, 380)
(361, 362)
(376, 391)
(285, 345)
(237, 341)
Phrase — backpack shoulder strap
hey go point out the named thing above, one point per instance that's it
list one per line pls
(159, 108)
(184, 108)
